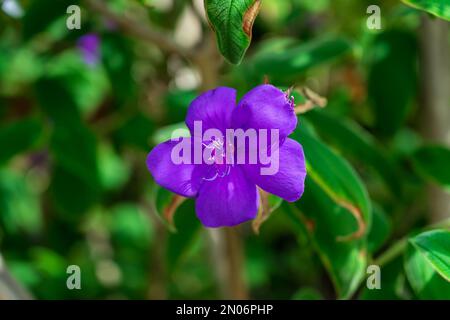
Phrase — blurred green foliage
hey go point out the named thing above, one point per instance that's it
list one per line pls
(74, 188)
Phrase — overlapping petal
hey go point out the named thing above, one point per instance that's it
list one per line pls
(178, 178)
(265, 107)
(213, 109)
(289, 180)
(227, 201)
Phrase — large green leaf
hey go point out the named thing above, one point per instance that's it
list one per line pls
(40, 14)
(439, 8)
(20, 209)
(391, 93)
(338, 179)
(426, 282)
(187, 228)
(379, 230)
(25, 132)
(284, 60)
(232, 20)
(349, 138)
(435, 247)
(73, 148)
(325, 221)
(432, 162)
(336, 211)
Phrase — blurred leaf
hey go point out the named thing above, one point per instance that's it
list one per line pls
(394, 285)
(86, 84)
(391, 93)
(188, 227)
(283, 61)
(307, 294)
(75, 150)
(57, 103)
(338, 179)
(178, 102)
(41, 13)
(432, 162)
(75, 182)
(380, 229)
(172, 131)
(18, 137)
(18, 68)
(136, 131)
(325, 221)
(353, 140)
(130, 226)
(114, 172)
(71, 194)
(439, 8)
(424, 279)
(435, 247)
(117, 57)
(20, 209)
(232, 21)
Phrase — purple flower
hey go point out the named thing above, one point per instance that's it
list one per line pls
(225, 188)
(89, 45)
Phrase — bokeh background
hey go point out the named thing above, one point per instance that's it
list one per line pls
(80, 110)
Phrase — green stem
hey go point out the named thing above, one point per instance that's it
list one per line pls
(398, 247)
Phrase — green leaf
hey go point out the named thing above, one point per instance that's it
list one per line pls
(20, 209)
(41, 13)
(349, 138)
(391, 93)
(71, 194)
(172, 131)
(177, 102)
(379, 229)
(113, 170)
(75, 184)
(338, 179)
(439, 8)
(26, 133)
(117, 58)
(136, 132)
(232, 21)
(432, 163)
(325, 221)
(284, 60)
(336, 211)
(426, 282)
(130, 226)
(435, 247)
(307, 294)
(187, 228)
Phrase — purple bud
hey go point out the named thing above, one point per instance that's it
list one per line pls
(89, 46)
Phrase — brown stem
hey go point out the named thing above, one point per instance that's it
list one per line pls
(237, 288)
(138, 29)
(435, 66)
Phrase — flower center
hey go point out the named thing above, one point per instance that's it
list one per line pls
(217, 159)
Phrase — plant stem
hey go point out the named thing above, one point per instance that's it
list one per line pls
(139, 29)
(434, 64)
(399, 246)
(235, 257)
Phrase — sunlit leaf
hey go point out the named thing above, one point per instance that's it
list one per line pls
(439, 8)
(232, 20)
(423, 277)
(435, 247)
